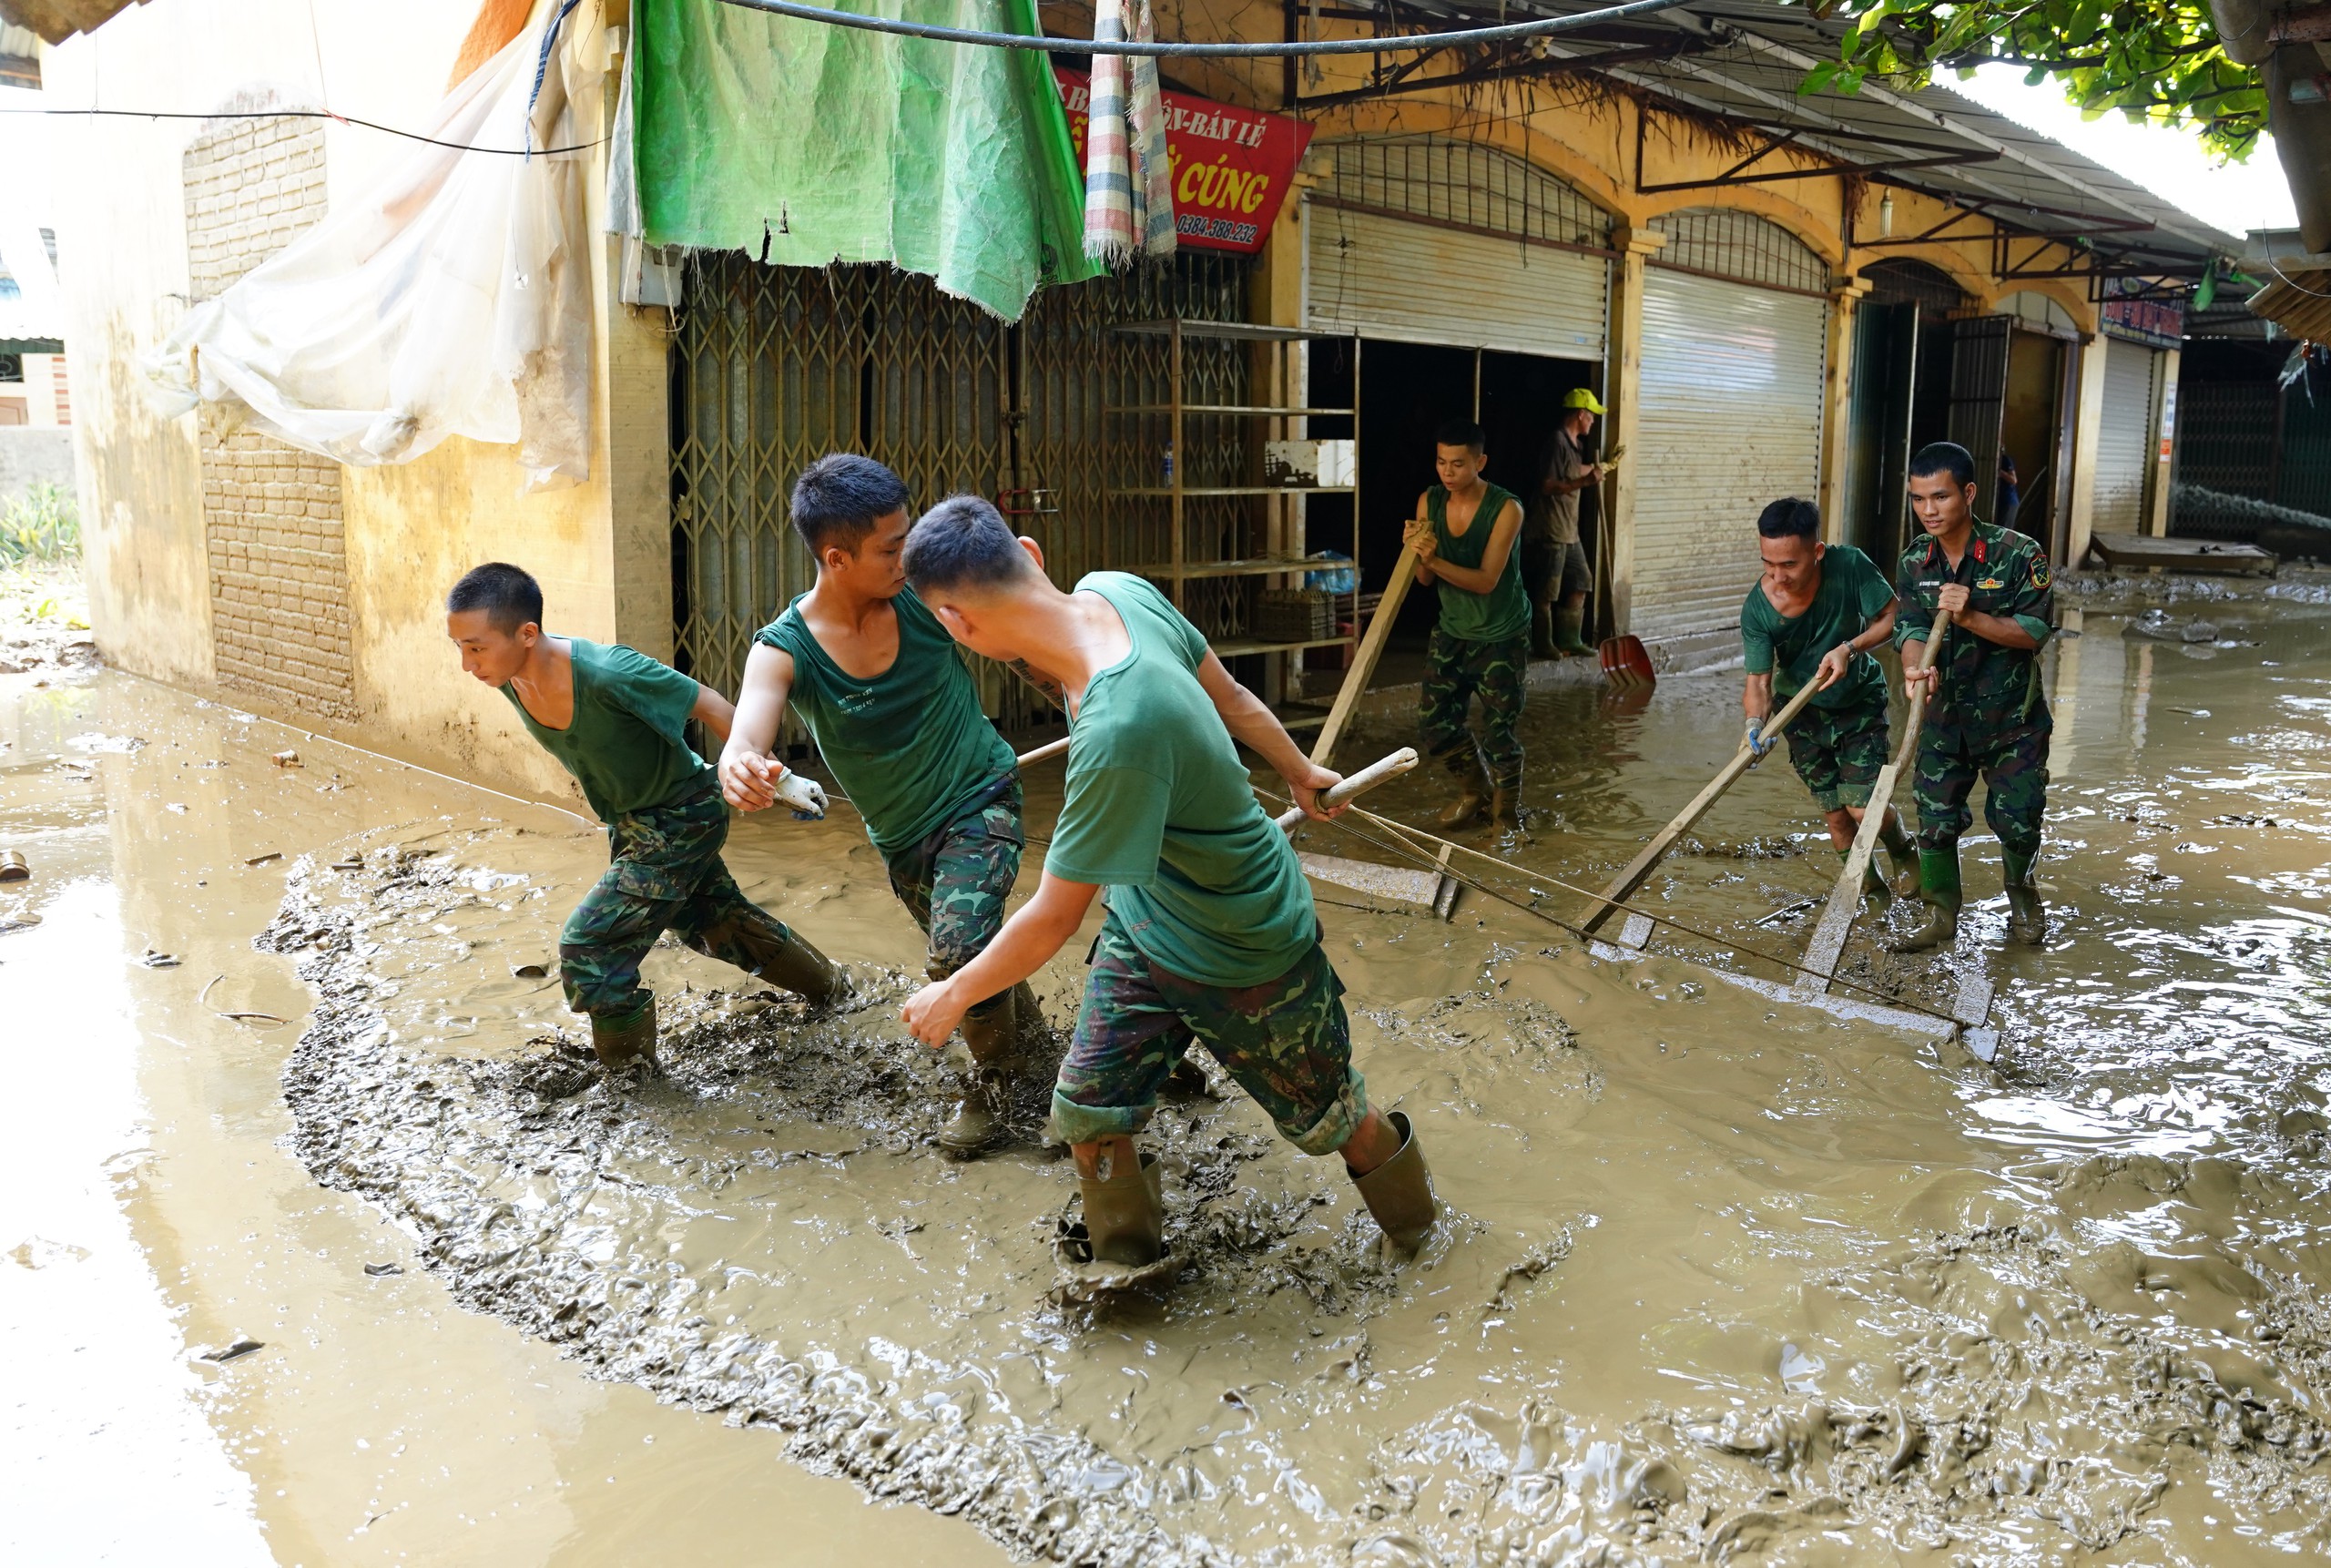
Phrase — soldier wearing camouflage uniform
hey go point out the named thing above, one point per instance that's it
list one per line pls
(616, 719)
(1464, 535)
(1209, 936)
(1988, 717)
(884, 693)
(1813, 619)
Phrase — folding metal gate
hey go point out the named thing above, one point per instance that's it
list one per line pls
(775, 366)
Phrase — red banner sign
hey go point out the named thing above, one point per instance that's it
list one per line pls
(1231, 166)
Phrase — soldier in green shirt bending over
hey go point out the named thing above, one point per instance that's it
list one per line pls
(885, 694)
(616, 719)
(1988, 717)
(1463, 535)
(1813, 617)
(1209, 933)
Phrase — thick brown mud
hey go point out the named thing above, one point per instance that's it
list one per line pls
(1724, 1278)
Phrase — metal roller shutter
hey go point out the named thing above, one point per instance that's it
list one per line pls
(1731, 419)
(2124, 438)
(1421, 282)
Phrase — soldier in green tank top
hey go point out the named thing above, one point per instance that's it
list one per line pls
(617, 720)
(1463, 535)
(884, 692)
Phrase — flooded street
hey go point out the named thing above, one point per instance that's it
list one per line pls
(1724, 1278)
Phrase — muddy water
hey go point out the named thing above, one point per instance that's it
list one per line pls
(1724, 1278)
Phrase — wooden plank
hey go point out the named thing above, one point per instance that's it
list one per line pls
(2185, 554)
(1638, 870)
(1828, 943)
(1363, 664)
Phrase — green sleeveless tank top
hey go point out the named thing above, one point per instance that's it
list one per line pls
(1502, 612)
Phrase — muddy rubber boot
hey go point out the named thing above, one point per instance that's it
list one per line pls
(1124, 1214)
(1467, 807)
(1902, 853)
(1541, 632)
(622, 1043)
(993, 1041)
(1568, 625)
(1398, 1193)
(1939, 885)
(794, 965)
(1505, 810)
(2027, 917)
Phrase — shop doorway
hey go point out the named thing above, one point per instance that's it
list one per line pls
(2030, 436)
(1407, 391)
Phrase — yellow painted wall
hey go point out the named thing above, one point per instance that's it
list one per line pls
(411, 529)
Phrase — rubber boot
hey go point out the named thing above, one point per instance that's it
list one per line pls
(1124, 1214)
(621, 1043)
(1874, 886)
(2027, 917)
(1505, 809)
(1902, 853)
(1541, 632)
(791, 964)
(1463, 811)
(993, 1041)
(1939, 885)
(1569, 622)
(1398, 1193)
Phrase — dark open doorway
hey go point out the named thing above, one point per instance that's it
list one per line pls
(1407, 391)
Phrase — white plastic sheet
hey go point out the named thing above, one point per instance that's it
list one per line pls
(454, 298)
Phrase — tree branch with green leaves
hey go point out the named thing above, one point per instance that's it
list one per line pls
(2157, 60)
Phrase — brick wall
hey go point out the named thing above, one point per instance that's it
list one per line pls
(271, 512)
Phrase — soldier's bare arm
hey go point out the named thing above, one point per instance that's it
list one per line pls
(747, 773)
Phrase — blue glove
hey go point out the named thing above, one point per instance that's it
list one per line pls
(1756, 740)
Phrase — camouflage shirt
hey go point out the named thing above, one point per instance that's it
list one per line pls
(1984, 685)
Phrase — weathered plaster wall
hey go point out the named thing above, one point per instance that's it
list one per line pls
(408, 530)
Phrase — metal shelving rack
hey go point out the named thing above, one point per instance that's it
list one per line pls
(1294, 544)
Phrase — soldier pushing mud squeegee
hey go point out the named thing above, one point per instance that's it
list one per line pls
(1988, 716)
(884, 693)
(1812, 621)
(616, 719)
(1209, 934)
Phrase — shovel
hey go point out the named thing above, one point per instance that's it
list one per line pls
(1626, 662)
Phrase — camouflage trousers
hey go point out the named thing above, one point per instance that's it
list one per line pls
(956, 879)
(1839, 752)
(1286, 1042)
(664, 873)
(1454, 670)
(2012, 764)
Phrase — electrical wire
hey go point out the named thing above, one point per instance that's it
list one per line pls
(311, 115)
(1467, 38)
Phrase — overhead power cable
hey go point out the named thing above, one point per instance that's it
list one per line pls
(1391, 44)
(306, 114)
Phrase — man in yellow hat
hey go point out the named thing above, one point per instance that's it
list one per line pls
(1554, 563)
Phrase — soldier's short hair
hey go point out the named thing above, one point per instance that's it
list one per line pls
(1461, 432)
(1790, 518)
(1944, 457)
(838, 498)
(963, 542)
(508, 595)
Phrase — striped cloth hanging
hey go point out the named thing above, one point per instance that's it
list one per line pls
(1128, 182)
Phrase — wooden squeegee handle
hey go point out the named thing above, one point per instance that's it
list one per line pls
(1048, 748)
(1638, 870)
(1367, 777)
(1837, 923)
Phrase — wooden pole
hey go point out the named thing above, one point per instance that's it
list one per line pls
(1367, 778)
(1371, 647)
(1048, 748)
(1828, 943)
(1638, 870)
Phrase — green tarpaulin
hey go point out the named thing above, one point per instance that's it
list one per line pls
(805, 144)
